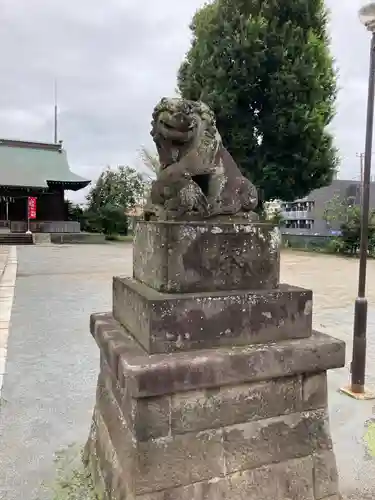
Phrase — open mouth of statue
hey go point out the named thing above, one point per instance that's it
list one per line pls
(177, 136)
(177, 142)
(183, 128)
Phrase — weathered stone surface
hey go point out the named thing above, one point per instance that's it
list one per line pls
(314, 391)
(154, 466)
(180, 322)
(179, 460)
(206, 256)
(278, 439)
(153, 375)
(148, 465)
(290, 480)
(117, 478)
(206, 424)
(334, 497)
(151, 417)
(109, 382)
(225, 406)
(110, 481)
(197, 175)
(195, 411)
(325, 475)
(146, 418)
(116, 425)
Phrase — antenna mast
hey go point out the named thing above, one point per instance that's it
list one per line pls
(55, 115)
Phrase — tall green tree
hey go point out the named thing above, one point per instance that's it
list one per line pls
(265, 68)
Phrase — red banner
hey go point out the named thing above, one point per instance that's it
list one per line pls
(31, 207)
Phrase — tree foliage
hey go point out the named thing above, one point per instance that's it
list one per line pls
(113, 195)
(273, 212)
(122, 187)
(346, 216)
(265, 68)
(74, 211)
(111, 220)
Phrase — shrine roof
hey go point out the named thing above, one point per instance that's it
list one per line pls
(36, 164)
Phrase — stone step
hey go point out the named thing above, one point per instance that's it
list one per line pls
(16, 239)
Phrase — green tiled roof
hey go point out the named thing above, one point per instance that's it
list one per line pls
(34, 164)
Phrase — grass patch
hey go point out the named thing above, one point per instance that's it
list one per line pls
(73, 481)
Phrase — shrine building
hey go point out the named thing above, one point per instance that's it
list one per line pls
(36, 170)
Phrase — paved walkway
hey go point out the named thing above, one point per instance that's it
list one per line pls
(8, 270)
(50, 380)
(52, 366)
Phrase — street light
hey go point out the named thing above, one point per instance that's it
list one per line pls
(358, 368)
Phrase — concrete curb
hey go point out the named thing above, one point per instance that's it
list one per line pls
(8, 274)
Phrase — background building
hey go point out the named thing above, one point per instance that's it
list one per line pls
(38, 170)
(306, 216)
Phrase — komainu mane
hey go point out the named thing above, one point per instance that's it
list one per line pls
(198, 178)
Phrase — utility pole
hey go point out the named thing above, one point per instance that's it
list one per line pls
(357, 387)
(361, 157)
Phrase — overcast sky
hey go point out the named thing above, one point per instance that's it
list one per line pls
(114, 59)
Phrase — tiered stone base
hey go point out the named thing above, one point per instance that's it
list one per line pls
(239, 423)
(212, 384)
(164, 322)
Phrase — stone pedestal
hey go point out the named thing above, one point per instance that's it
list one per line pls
(206, 257)
(211, 393)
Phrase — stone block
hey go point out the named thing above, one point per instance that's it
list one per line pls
(179, 322)
(146, 418)
(117, 426)
(326, 483)
(111, 481)
(151, 417)
(179, 460)
(164, 462)
(147, 464)
(112, 340)
(278, 439)
(225, 406)
(144, 480)
(195, 411)
(314, 391)
(206, 256)
(105, 465)
(290, 480)
(147, 375)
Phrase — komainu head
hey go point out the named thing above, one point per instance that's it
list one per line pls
(179, 125)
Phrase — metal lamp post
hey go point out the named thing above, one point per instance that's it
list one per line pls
(358, 367)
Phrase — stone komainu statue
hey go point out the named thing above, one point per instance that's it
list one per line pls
(198, 178)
